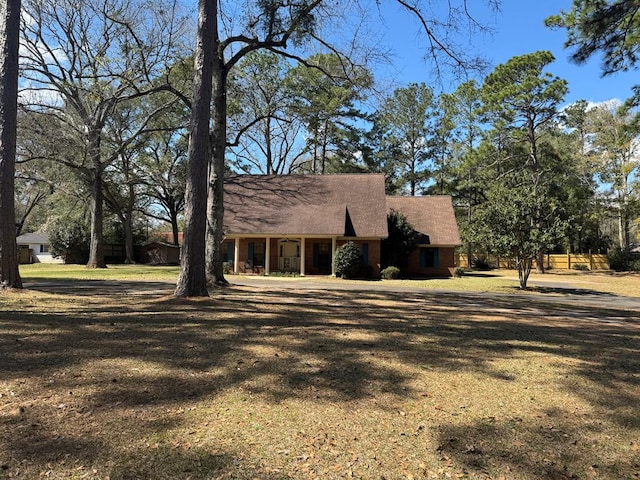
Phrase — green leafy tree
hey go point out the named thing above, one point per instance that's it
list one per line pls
(9, 42)
(508, 224)
(163, 166)
(520, 99)
(442, 144)
(574, 185)
(467, 158)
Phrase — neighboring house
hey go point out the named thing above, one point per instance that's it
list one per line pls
(433, 217)
(295, 223)
(35, 248)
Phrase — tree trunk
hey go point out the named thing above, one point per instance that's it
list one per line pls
(192, 281)
(174, 226)
(128, 238)
(623, 223)
(9, 39)
(540, 262)
(215, 207)
(96, 245)
(524, 270)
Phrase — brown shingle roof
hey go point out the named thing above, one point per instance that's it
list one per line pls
(337, 205)
(432, 216)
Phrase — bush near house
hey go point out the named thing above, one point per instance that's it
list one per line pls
(390, 273)
(348, 261)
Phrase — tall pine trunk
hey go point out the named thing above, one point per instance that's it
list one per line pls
(192, 281)
(215, 208)
(9, 40)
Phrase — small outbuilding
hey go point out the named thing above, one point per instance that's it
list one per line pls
(159, 253)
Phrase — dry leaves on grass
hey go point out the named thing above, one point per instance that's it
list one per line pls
(261, 383)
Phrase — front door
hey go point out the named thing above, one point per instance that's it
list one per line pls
(289, 256)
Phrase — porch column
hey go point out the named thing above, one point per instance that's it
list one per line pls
(302, 252)
(236, 256)
(267, 255)
(334, 241)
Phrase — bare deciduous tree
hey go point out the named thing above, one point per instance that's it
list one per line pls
(82, 61)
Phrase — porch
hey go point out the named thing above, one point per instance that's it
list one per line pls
(292, 254)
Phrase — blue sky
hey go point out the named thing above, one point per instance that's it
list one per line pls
(519, 30)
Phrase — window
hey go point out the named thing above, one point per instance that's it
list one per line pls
(364, 248)
(44, 248)
(429, 257)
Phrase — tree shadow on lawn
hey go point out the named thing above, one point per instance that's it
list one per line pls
(554, 447)
(88, 455)
(317, 346)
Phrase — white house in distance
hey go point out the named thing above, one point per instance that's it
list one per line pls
(35, 248)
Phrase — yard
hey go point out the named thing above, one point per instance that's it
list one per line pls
(112, 377)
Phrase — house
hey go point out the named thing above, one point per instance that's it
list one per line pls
(35, 248)
(433, 217)
(295, 223)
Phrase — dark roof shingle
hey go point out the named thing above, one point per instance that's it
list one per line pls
(33, 238)
(336, 205)
(432, 216)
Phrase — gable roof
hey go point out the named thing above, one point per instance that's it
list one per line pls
(336, 205)
(432, 216)
(33, 238)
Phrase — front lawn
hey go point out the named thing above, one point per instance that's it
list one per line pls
(256, 382)
(497, 281)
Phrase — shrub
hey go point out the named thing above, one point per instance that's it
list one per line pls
(482, 264)
(623, 260)
(69, 239)
(348, 260)
(459, 272)
(580, 266)
(390, 273)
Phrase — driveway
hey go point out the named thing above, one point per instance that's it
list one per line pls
(565, 293)
(566, 298)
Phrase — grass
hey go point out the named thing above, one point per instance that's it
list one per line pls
(113, 272)
(116, 382)
(496, 281)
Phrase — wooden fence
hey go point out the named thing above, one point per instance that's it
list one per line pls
(562, 261)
